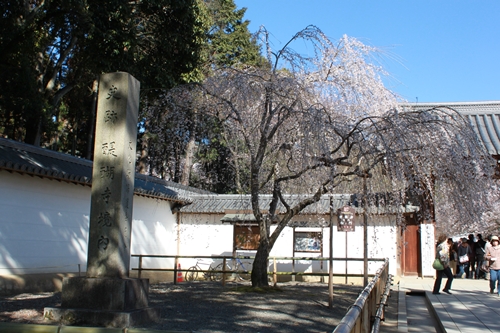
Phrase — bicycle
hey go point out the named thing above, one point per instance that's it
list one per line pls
(192, 272)
(241, 270)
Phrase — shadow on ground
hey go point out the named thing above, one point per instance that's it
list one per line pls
(209, 307)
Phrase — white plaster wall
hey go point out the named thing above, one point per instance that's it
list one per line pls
(204, 234)
(44, 226)
(284, 248)
(428, 249)
(153, 232)
(382, 243)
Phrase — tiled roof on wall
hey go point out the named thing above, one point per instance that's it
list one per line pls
(23, 158)
(237, 203)
(220, 204)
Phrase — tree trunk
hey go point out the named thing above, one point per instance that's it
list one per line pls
(142, 163)
(34, 130)
(188, 161)
(190, 147)
(259, 269)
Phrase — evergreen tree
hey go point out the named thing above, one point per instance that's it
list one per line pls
(179, 112)
(53, 48)
(230, 41)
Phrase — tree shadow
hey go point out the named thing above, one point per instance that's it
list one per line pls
(27, 307)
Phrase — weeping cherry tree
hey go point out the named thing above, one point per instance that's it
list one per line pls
(309, 125)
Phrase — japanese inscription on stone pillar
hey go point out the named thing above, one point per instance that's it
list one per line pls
(113, 176)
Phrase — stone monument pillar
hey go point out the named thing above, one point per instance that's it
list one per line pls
(113, 176)
(107, 296)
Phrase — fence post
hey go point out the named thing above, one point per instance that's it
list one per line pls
(275, 277)
(176, 264)
(224, 272)
(140, 266)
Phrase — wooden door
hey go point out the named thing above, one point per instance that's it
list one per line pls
(410, 253)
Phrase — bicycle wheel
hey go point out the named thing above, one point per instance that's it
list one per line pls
(217, 275)
(211, 275)
(244, 270)
(192, 274)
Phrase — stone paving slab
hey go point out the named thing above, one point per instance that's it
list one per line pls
(470, 309)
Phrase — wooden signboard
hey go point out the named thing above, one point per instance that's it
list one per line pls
(346, 217)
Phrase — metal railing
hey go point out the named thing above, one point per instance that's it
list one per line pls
(379, 316)
(368, 310)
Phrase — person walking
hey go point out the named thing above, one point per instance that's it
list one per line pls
(443, 254)
(486, 246)
(464, 254)
(480, 252)
(472, 258)
(493, 256)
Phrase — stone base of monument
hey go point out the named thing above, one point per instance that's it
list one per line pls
(103, 302)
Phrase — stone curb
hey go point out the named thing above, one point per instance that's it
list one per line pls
(402, 314)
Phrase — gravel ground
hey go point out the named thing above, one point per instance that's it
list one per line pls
(209, 307)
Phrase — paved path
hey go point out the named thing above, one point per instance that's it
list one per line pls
(470, 309)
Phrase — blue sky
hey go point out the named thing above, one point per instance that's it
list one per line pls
(436, 51)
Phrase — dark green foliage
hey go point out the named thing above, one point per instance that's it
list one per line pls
(53, 51)
(230, 42)
(215, 171)
(176, 124)
(56, 48)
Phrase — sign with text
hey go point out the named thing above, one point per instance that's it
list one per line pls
(307, 241)
(346, 217)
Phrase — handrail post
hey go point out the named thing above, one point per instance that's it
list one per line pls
(140, 266)
(365, 327)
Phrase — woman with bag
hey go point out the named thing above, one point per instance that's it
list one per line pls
(464, 253)
(443, 254)
(493, 256)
